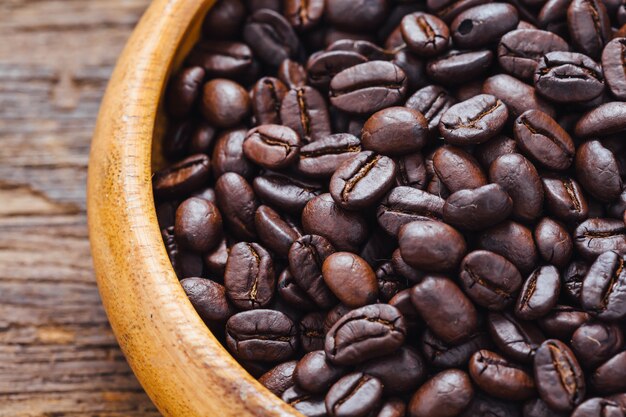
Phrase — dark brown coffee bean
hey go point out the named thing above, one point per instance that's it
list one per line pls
(517, 339)
(494, 148)
(182, 178)
(222, 58)
(519, 178)
(354, 395)
(520, 51)
(215, 261)
(285, 192)
(183, 91)
(483, 25)
(267, 96)
(225, 103)
(596, 236)
(402, 301)
(305, 403)
(518, 96)
(249, 277)
(573, 280)
(513, 241)
(377, 248)
(563, 321)
(275, 232)
(610, 377)
(224, 20)
(538, 408)
(346, 230)
(603, 120)
(404, 205)
(489, 279)
(311, 331)
(271, 37)
(261, 335)
(303, 14)
(209, 299)
(565, 198)
(315, 373)
(411, 171)
(369, 50)
(198, 225)
(598, 171)
(473, 121)
(322, 67)
(394, 407)
(446, 394)
(455, 67)
(356, 16)
(479, 208)
(554, 243)
(321, 158)
(539, 294)
(292, 73)
(594, 343)
(395, 131)
(368, 87)
(237, 203)
(432, 101)
(431, 245)
(425, 35)
(272, 146)
(444, 355)
(598, 407)
(457, 169)
(365, 333)
(228, 155)
(604, 289)
(306, 258)
(304, 110)
(559, 379)
(406, 359)
(350, 278)
(589, 26)
(279, 378)
(614, 67)
(498, 377)
(445, 309)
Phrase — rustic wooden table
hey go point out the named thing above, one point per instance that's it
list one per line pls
(57, 353)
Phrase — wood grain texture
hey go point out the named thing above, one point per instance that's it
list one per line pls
(58, 356)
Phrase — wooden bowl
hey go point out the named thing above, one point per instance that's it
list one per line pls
(181, 365)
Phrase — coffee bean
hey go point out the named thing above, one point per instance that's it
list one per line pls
(312, 331)
(479, 208)
(520, 51)
(457, 169)
(444, 355)
(431, 245)
(444, 395)
(222, 58)
(395, 131)
(404, 205)
(425, 35)
(444, 308)
(303, 15)
(610, 377)
(279, 378)
(322, 67)
(272, 146)
(209, 299)
(473, 121)
(285, 192)
(449, 67)
(267, 96)
(518, 96)
(562, 321)
(292, 73)
(602, 293)
(539, 294)
(228, 155)
(598, 171)
(356, 16)
(518, 340)
(598, 407)
(499, 377)
(315, 373)
(292, 294)
(225, 103)
(368, 87)
(614, 67)
(304, 110)
(237, 203)
(274, 231)
(369, 50)
(321, 158)
(513, 241)
(271, 37)
(182, 178)
(484, 405)
(215, 260)
(573, 280)
(494, 148)
(377, 248)
(198, 225)
(594, 343)
(224, 20)
(538, 408)
(386, 370)
(432, 101)
(589, 26)
(249, 277)
(489, 279)
(565, 198)
(553, 242)
(350, 278)
(395, 407)
(355, 394)
(183, 91)
(604, 120)
(261, 335)
(596, 236)
(558, 377)
(365, 333)
(304, 402)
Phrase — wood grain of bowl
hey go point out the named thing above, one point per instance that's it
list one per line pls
(181, 365)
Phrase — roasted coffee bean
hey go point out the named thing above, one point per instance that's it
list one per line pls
(346, 230)
(457, 169)
(312, 331)
(513, 241)
(594, 343)
(487, 406)
(562, 322)
(183, 91)
(431, 245)
(304, 110)
(209, 299)
(228, 155)
(598, 171)
(455, 67)
(395, 131)
(404, 269)
(402, 301)
(425, 35)
(518, 340)
(589, 26)
(498, 377)
(303, 14)
(368, 87)
(176, 140)
(368, 49)
(539, 294)
(604, 288)
(558, 377)
(249, 277)
(224, 20)
(494, 148)
(356, 16)
(489, 279)
(350, 278)
(291, 293)
(572, 281)
(483, 25)
(614, 67)
(279, 378)
(610, 377)
(356, 394)
(520, 51)
(377, 248)
(222, 58)
(432, 101)
(304, 402)
(272, 146)
(261, 335)
(271, 37)
(568, 77)
(285, 192)
(404, 205)
(539, 408)
(225, 103)
(267, 96)
(395, 407)
(411, 171)
(518, 96)
(292, 73)
(215, 261)
(598, 407)
(604, 120)
(362, 181)
(274, 231)
(182, 178)
(565, 198)
(444, 355)
(554, 243)
(473, 121)
(479, 208)
(315, 373)
(596, 236)
(321, 158)
(446, 394)
(306, 257)
(322, 67)
(365, 333)
(519, 178)
(237, 203)
(445, 308)
(386, 370)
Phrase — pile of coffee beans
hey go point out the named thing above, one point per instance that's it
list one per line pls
(389, 208)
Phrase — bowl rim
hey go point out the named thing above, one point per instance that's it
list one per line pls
(181, 365)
